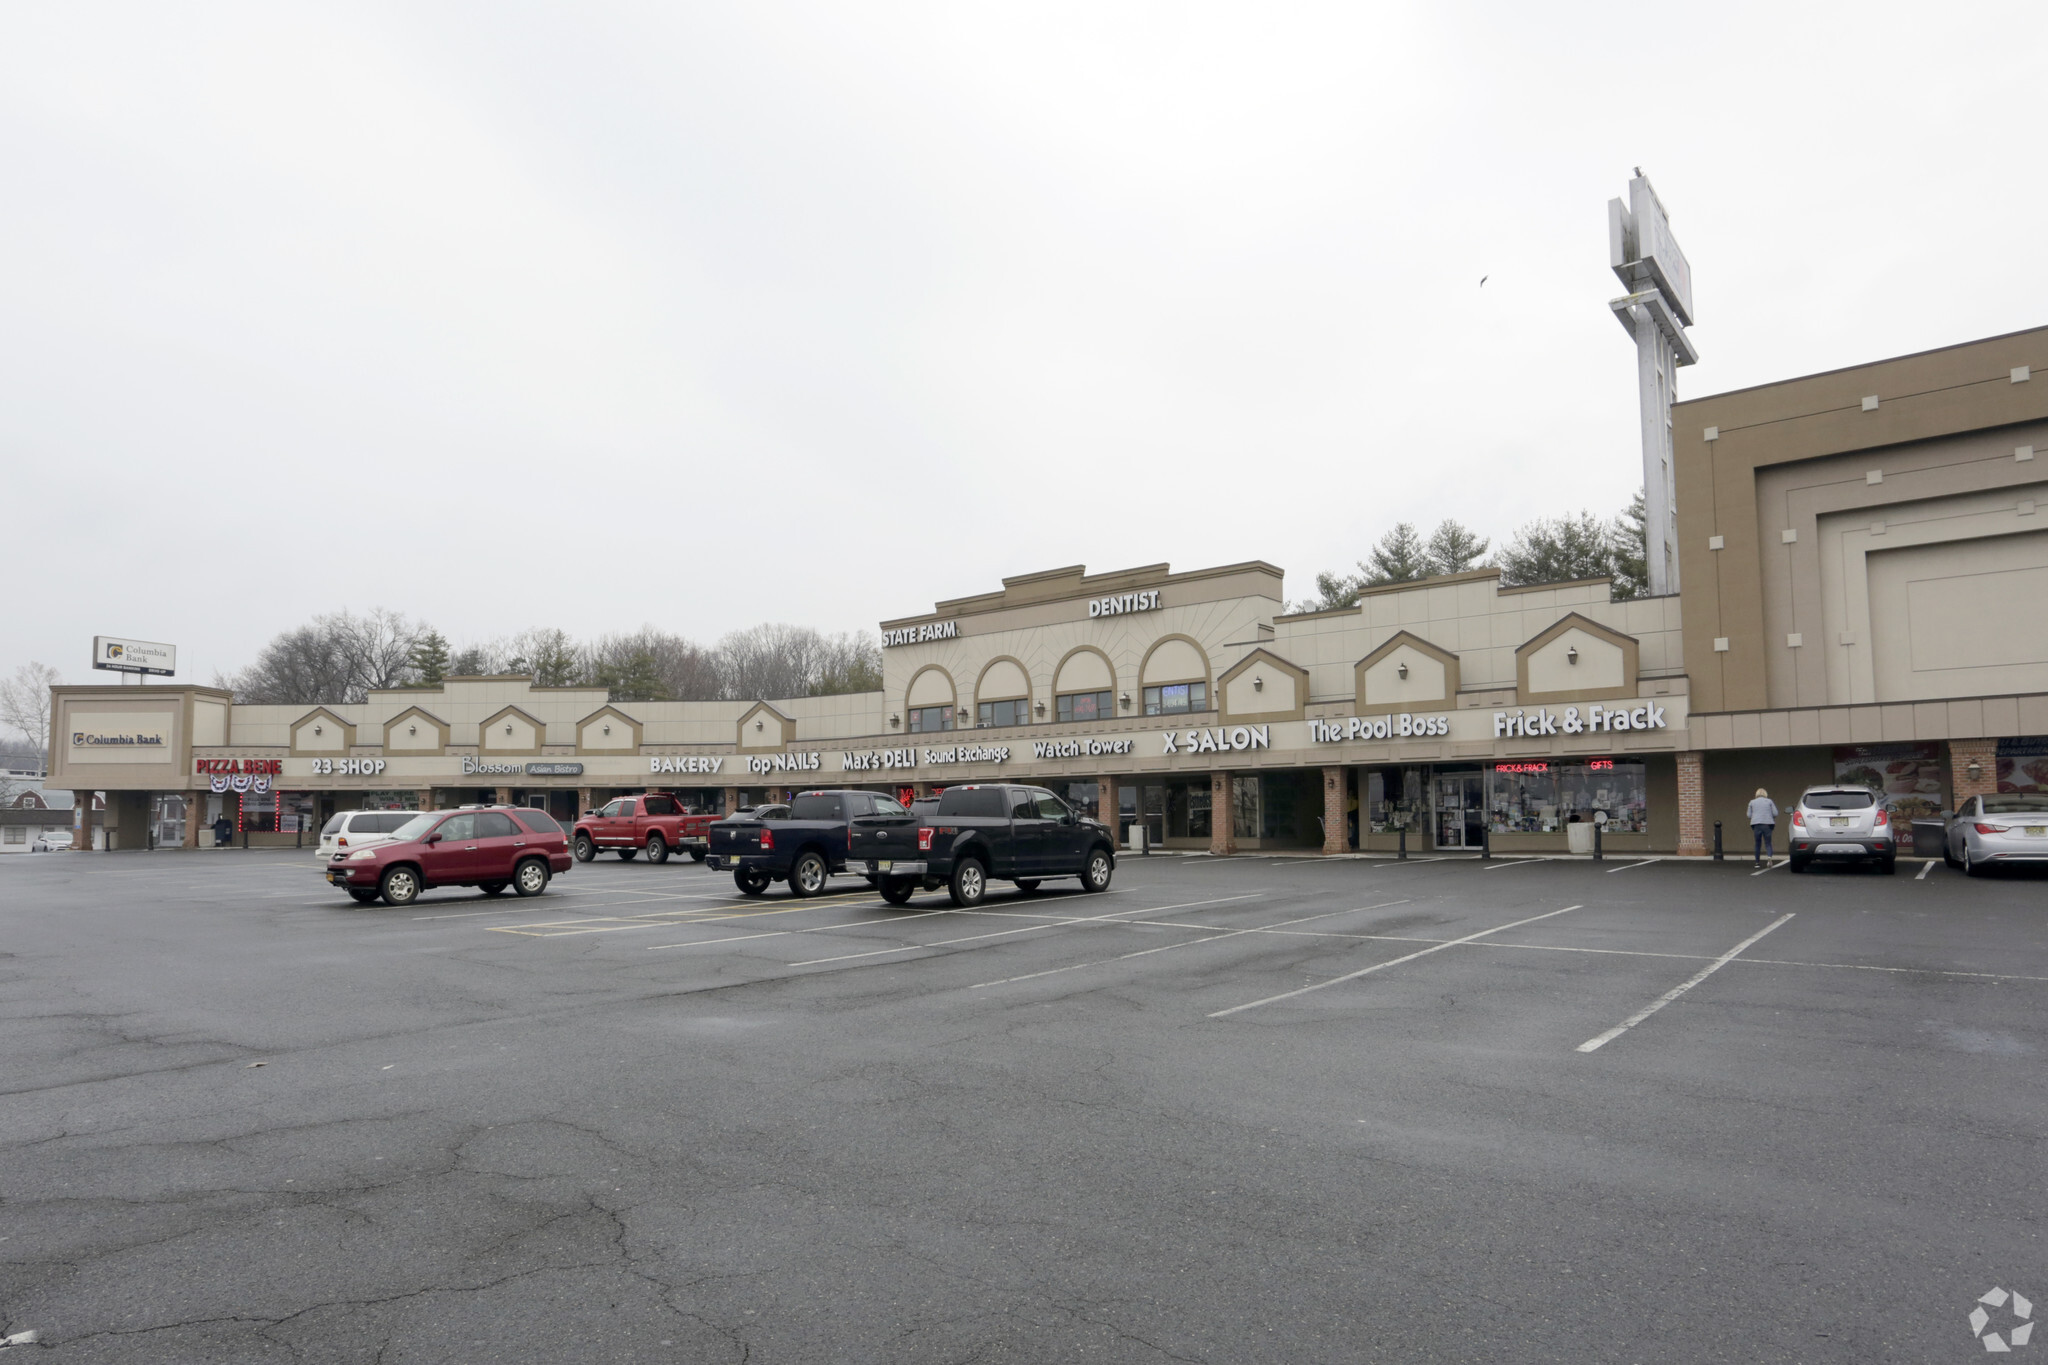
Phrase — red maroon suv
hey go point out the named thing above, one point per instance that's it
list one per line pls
(489, 848)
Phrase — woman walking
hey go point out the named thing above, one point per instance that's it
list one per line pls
(1763, 822)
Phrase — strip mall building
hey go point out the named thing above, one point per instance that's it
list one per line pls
(1864, 594)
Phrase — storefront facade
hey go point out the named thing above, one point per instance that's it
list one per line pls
(1437, 716)
(1865, 570)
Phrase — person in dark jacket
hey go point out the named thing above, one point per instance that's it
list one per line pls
(222, 831)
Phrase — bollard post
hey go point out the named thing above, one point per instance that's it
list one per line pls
(1403, 856)
(1717, 841)
(1486, 842)
(1597, 827)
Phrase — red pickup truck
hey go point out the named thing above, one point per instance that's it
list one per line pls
(656, 822)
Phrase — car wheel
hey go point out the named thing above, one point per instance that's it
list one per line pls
(1097, 874)
(1971, 867)
(657, 848)
(970, 882)
(1795, 864)
(1890, 866)
(696, 855)
(751, 881)
(491, 888)
(627, 855)
(897, 890)
(585, 850)
(400, 886)
(361, 895)
(530, 878)
(807, 878)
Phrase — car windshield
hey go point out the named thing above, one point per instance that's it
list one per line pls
(814, 808)
(414, 828)
(1853, 800)
(2014, 804)
(333, 826)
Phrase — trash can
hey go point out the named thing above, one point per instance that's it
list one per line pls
(1927, 838)
(1578, 838)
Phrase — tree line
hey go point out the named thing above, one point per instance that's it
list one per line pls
(344, 657)
(1547, 550)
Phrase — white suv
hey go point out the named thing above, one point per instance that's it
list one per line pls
(354, 829)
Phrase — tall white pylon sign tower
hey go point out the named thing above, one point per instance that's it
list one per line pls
(1656, 310)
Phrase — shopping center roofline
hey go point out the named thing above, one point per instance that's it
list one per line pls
(1860, 365)
(418, 688)
(1073, 581)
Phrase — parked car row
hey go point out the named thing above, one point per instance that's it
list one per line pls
(488, 847)
(970, 836)
(1846, 822)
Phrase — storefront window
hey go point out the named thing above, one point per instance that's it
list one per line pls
(1907, 775)
(2023, 765)
(1176, 698)
(994, 713)
(1394, 800)
(1542, 798)
(1086, 706)
(925, 720)
(1248, 802)
(1084, 797)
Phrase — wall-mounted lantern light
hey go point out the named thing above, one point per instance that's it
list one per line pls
(607, 727)
(1571, 654)
(895, 720)
(508, 727)
(1258, 683)
(1976, 770)
(316, 729)
(961, 714)
(1041, 706)
(412, 729)
(760, 724)
(1403, 670)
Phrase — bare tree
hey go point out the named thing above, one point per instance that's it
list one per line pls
(339, 657)
(546, 653)
(852, 662)
(772, 660)
(25, 705)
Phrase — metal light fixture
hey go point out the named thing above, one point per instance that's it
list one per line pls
(412, 729)
(316, 729)
(1258, 683)
(1041, 706)
(1123, 699)
(508, 727)
(895, 720)
(1403, 670)
(1571, 654)
(961, 713)
(760, 724)
(1976, 770)
(607, 728)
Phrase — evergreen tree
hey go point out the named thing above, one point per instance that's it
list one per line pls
(637, 677)
(1558, 550)
(1453, 549)
(1400, 557)
(429, 659)
(1630, 541)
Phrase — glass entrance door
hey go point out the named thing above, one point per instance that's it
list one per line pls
(1460, 807)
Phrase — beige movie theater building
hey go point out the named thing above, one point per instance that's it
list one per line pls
(1864, 596)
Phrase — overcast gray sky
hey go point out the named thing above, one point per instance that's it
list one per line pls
(704, 315)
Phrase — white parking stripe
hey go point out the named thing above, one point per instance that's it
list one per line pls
(1187, 943)
(1595, 1044)
(1925, 868)
(1626, 866)
(1768, 867)
(1380, 966)
(1004, 933)
(1523, 863)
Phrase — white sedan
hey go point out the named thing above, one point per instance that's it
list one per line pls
(51, 841)
(1995, 830)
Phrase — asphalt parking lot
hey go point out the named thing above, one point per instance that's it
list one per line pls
(1235, 1110)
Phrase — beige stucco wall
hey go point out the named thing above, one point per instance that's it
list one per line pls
(523, 739)
(1974, 618)
(1243, 698)
(594, 739)
(1424, 684)
(1086, 671)
(930, 688)
(1600, 664)
(408, 735)
(331, 739)
(209, 721)
(1175, 661)
(1002, 681)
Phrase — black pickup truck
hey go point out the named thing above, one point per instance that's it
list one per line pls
(814, 838)
(1017, 834)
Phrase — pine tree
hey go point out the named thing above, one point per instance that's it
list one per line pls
(1453, 549)
(429, 658)
(1558, 550)
(1398, 558)
(1630, 542)
(634, 678)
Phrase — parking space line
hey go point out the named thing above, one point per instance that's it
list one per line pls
(1626, 866)
(1768, 867)
(1208, 937)
(1004, 933)
(1381, 966)
(1925, 868)
(1522, 863)
(1596, 1043)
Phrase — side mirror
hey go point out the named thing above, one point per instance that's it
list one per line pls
(435, 837)
(1067, 819)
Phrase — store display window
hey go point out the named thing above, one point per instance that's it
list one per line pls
(1394, 800)
(2023, 765)
(1543, 797)
(925, 720)
(1075, 706)
(1176, 699)
(993, 714)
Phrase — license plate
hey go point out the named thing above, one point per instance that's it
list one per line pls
(1840, 822)
(885, 865)
(2037, 830)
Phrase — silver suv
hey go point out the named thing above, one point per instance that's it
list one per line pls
(1840, 821)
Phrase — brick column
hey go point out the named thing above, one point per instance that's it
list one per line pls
(1692, 804)
(504, 796)
(732, 800)
(1961, 754)
(81, 822)
(423, 800)
(1222, 815)
(195, 812)
(1106, 809)
(1336, 829)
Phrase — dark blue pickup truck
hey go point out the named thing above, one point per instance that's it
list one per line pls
(823, 833)
(985, 832)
